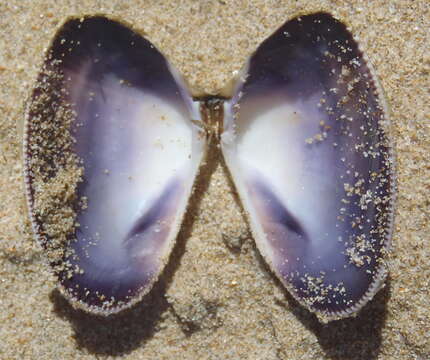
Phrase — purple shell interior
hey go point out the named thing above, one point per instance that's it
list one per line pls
(139, 151)
(318, 182)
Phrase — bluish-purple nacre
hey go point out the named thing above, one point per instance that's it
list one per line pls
(306, 139)
(139, 151)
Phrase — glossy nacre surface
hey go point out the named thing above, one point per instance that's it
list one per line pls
(305, 139)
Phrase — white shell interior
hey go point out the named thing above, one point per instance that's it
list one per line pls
(144, 157)
(281, 161)
(162, 141)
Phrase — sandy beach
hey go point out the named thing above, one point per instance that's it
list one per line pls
(217, 299)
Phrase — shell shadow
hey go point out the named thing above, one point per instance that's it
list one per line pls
(116, 334)
(354, 338)
(121, 333)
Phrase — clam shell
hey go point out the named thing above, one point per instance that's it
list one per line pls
(113, 142)
(110, 125)
(306, 140)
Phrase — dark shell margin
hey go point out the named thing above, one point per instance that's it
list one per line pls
(382, 270)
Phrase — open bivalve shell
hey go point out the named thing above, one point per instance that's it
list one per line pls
(113, 143)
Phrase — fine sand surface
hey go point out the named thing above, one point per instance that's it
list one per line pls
(217, 299)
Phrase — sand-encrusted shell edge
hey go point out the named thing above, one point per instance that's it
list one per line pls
(381, 272)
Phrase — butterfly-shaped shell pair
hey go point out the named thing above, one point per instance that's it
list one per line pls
(113, 145)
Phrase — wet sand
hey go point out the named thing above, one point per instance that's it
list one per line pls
(217, 299)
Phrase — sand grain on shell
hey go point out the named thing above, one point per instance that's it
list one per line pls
(52, 170)
(217, 299)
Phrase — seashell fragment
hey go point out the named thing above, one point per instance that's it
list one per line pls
(126, 130)
(307, 145)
